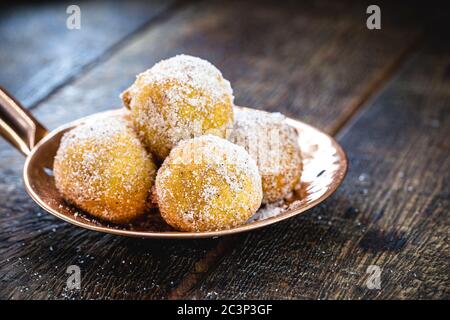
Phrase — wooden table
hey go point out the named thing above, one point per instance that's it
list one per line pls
(385, 95)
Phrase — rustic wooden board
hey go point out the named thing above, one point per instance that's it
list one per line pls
(392, 210)
(318, 67)
(38, 53)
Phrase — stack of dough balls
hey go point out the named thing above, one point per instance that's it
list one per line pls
(211, 176)
(102, 167)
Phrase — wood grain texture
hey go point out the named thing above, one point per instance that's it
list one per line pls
(38, 53)
(297, 59)
(392, 210)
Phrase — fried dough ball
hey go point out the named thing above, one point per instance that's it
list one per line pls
(179, 98)
(102, 167)
(273, 144)
(208, 183)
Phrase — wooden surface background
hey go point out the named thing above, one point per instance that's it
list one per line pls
(385, 94)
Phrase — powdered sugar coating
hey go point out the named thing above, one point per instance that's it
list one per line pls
(102, 167)
(273, 144)
(179, 98)
(208, 183)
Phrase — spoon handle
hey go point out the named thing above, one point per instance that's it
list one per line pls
(17, 125)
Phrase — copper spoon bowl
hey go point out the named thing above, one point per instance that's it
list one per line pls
(324, 168)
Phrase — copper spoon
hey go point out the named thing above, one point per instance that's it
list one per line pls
(324, 168)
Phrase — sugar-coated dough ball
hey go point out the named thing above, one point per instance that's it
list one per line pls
(102, 167)
(208, 183)
(179, 98)
(273, 144)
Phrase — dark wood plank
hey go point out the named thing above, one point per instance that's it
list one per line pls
(272, 64)
(38, 53)
(392, 210)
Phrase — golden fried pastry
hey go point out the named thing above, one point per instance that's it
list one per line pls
(273, 144)
(102, 167)
(179, 98)
(208, 183)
